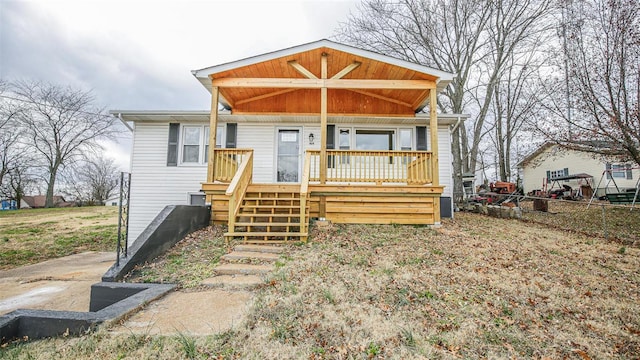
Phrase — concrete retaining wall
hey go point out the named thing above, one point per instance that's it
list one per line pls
(115, 300)
(171, 225)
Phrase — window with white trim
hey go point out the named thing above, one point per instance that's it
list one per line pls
(219, 137)
(406, 139)
(619, 171)
(374, 139)
(191, 144)
(194, 143)
(558, 173)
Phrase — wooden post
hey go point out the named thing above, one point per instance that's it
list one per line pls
(213, 128)
(433, 132)
(323, 123)
(323, 134)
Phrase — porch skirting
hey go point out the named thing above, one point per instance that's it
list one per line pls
(351, 204)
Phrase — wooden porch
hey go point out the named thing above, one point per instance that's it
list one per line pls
(369, 187)
(325, 79)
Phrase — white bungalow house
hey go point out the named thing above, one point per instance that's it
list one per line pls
(549, 161)
(320, 130)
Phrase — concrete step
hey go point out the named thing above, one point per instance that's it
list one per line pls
(234, 282)
(259, 248)
(243, 269)
(242, 255)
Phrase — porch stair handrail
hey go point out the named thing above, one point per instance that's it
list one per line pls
(304, 192)
(238, 188)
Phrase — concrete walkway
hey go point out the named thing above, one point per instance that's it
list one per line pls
(220, 304)
(58, 284)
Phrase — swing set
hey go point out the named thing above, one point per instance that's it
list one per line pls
(619, 197)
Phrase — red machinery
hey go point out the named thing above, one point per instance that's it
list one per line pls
(502, 187)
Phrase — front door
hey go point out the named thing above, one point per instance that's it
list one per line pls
(288, 155)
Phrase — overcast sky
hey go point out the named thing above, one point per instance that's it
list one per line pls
(137, 55)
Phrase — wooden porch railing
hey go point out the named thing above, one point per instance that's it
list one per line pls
(227, 162)
(411, 167)
(238, 187)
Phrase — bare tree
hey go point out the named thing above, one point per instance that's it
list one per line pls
(61, 124)
(475, 39)
(603, 59)
(19, 181)
(515, 104)
(92, 181)
(10, 133)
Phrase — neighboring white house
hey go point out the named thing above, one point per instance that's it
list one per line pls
(157, 182)
(114, 201)
(549, 161)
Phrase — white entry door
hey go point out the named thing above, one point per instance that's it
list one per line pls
(288, 155)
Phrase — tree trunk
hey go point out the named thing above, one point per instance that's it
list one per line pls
(458, 191)
(52, 182)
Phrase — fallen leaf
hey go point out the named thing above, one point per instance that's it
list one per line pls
(582, 354)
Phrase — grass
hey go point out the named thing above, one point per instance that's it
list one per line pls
(478, 287)
(186, 264)
(34, 235)
(616, 222)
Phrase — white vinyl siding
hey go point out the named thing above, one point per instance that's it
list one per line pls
(154, 184)
(260, 138)
(445, 160)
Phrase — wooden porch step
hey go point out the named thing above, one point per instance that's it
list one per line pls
(249, 206)
(265, 233)
(267, 223)
(263, 212)
(252, 198)
(267, 213)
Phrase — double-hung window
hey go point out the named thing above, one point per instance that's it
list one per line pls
(619, 171)
(406, 140)
(192, 144)
(189, 144)
(195, 143)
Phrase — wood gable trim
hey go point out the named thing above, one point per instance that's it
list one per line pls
(324, 83)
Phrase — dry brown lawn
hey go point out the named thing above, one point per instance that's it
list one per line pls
(34, 235)
(478, 287)
(620, 223)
